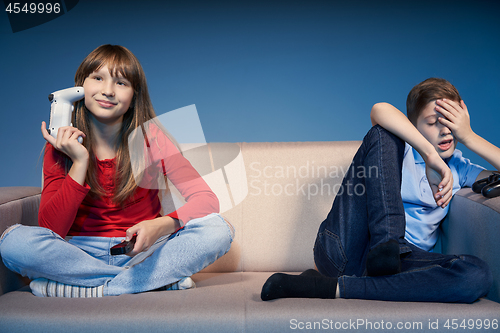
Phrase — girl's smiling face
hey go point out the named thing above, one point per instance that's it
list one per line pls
(107, 96)
(436, 133)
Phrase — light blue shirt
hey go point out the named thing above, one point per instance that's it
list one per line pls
(423, 215)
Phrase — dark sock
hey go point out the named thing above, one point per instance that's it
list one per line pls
(311, 272)
(281, 285)
(384, 259)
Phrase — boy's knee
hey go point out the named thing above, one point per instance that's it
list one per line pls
(385, 136)
(379, 136)
(477, 278)
(482, 275)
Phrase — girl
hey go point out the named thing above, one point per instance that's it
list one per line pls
(91, 198)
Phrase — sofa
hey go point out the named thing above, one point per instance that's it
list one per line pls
(285, 190)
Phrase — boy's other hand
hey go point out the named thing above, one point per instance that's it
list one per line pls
(456, 118)
(440, 180)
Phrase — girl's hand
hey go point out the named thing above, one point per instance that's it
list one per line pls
(456, 118)
(440, 180)
(67, 142)
(149, 231)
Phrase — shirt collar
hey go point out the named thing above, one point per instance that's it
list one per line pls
(419, 160)
(416, 156)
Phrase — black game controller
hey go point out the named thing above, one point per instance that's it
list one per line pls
(489, 186)
(492, 190)
(123, 248)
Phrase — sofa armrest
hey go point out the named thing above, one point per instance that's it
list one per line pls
(17, 205)
(473, 227)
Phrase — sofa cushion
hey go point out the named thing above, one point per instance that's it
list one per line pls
(228, 302)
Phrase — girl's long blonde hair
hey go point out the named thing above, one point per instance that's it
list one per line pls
(120, 61)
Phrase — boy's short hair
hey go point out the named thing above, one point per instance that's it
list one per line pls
(427, 91)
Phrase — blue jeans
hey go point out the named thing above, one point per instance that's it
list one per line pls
(368, 211)
(38, 252)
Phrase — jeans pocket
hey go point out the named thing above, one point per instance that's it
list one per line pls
(329, 254)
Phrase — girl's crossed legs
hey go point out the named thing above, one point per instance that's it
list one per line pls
(85, 261)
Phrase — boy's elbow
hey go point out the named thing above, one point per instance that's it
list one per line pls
(378, 107)
(374, 114)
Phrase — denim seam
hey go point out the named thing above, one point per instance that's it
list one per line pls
(342, 291)
(452, 261)
(337, 238)
(8, 230)
(426, 260)
(421, 269)
(384, 196)
(230, 228)
(341, 250)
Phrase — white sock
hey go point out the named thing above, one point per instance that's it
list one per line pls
(185, 283)
(47, 288)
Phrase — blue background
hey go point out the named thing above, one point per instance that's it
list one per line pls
(257, 71)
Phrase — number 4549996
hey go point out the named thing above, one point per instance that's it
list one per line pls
(471, 324)
(33, 8)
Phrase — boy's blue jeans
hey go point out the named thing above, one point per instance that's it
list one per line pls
(369, 211)
(85, 261)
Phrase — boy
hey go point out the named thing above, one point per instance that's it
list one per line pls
(376, 246)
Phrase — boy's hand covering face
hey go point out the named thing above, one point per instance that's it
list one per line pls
(440, 180)
(456, 118)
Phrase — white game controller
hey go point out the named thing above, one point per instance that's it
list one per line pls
(61, 108)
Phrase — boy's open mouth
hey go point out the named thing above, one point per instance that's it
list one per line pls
(445, 144)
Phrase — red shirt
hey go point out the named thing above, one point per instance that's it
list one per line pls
(68, 209)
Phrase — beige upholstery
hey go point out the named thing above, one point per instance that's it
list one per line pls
(289, 195)
(290, 192)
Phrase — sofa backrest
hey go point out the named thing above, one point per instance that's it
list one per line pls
(279, 193)
(291, 188)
